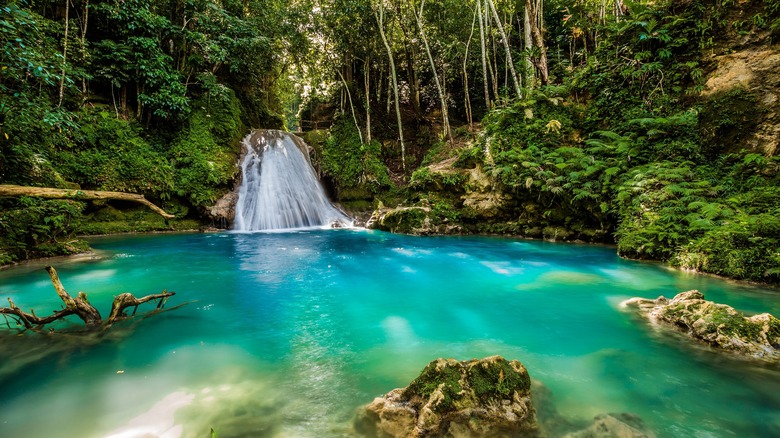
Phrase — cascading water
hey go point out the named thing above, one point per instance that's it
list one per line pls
(279, 189)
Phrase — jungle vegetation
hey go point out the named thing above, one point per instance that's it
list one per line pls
(593, 118)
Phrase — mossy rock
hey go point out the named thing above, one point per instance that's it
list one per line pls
(488, 397)
(719, 325)
(406, 220)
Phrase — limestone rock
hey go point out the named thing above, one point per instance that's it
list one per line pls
(614, 426)
(489, 397)
(718, 325)
(224, 210)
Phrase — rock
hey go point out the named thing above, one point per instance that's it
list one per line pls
(614, 426)
(490, 397)
(224, 210)
(718, 325)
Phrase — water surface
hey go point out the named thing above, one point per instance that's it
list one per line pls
(286, 334)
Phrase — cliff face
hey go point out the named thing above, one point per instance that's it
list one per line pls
(743, 84)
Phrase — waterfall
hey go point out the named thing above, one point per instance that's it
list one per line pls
(279, 189)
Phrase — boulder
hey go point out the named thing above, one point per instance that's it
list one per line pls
(614, 426)
(716, 324)
(489, 397)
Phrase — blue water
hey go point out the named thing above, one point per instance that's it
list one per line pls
(286, 334)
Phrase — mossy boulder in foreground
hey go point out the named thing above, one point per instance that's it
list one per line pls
(719, 325)
(489, 397)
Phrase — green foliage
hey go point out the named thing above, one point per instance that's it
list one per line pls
(31, 227)
(204, 154)
(426, 179)
(350, 163)
(107, 153)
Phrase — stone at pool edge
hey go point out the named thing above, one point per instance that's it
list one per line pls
(489, 397)
(719, 325)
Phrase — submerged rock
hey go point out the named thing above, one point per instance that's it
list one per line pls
(716, 324)
(489, 397)
(614, 426)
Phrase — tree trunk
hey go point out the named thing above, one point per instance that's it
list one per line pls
(80, 307)
(442, 99)
(528, 44)
(483, 49)
(536, 35)
(351, 107)
(506, 47)
(7, 190)
(84, 48)
(64, 52)
(367, 81)
(125, 300)
(381, 21)
(466, 93)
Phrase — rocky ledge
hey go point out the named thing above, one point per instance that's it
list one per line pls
(719, 325)
(489, 397)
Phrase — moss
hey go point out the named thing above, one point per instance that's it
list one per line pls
(495, 381)
(773, 335)
(431, 378)
(404, 220)
(733, 324)
(110, 220)
(426, 179)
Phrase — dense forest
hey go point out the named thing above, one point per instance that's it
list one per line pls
(649, 124)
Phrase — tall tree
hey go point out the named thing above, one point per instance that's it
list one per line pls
(442, 98)
(380, 18)
(483, 50)
(534, 10)
(506, 47)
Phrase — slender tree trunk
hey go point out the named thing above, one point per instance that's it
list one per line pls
(389, 94)
(442, 98)
(483, 49)
(379, 83)
(64, 52)
(124, 101)
(466, 91)
(619, 8)
(411, 55)
(528, 44)
(493, 62)
(500, 27)
(536, 35)
(351, 106)
(381, 21)
(84, 47)
(367, 83)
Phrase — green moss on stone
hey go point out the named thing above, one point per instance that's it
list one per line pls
(404, 220)
(433, 377)
(494, 381)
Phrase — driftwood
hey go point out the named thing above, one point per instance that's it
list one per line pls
(81, 307)
(8, 190)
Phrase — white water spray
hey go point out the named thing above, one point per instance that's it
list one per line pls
(279, 189)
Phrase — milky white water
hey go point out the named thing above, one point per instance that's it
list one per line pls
(279, 188)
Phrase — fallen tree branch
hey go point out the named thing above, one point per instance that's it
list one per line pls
(125, 300)
(8, 190)
(81, 307)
